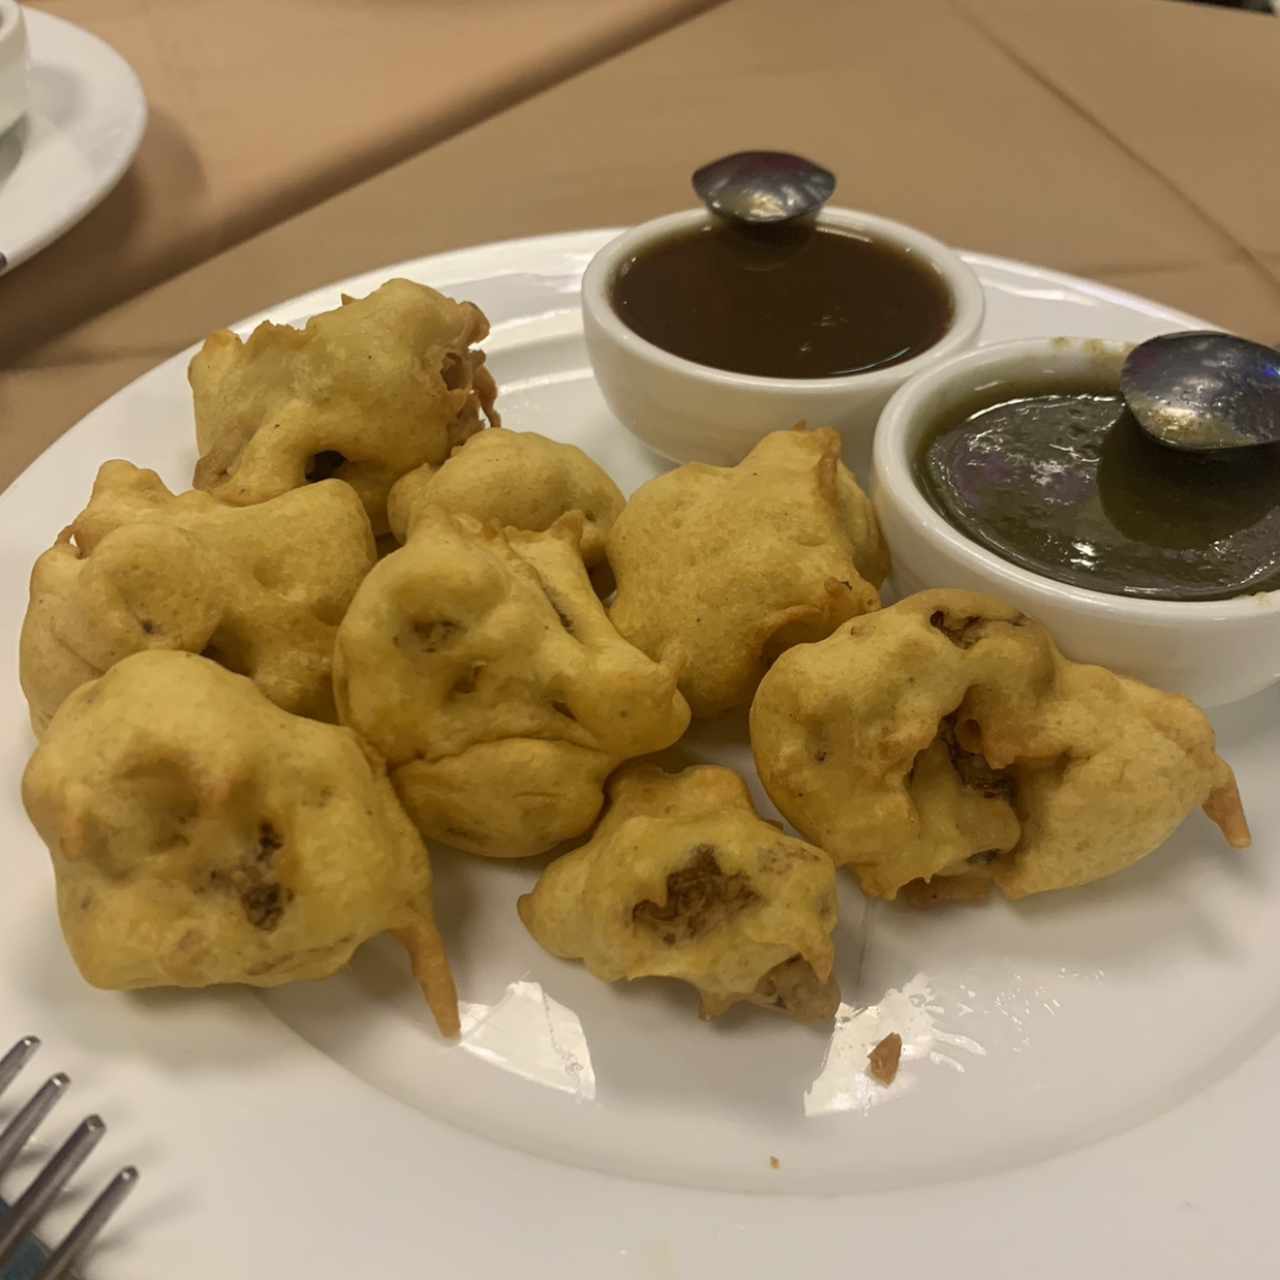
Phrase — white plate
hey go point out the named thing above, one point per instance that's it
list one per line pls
(84, 126)
(1087, 1076)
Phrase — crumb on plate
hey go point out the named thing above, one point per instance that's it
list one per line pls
(882, 1061)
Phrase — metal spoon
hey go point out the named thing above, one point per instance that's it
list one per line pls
(1200, 391)
(758, 188)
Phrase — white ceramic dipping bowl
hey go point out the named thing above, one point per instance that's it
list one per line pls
(690, 412)
(1215, 652)
(13, 65)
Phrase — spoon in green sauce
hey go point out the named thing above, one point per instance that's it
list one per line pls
(1203, 391)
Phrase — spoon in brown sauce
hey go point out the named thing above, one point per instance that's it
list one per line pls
(1203, 391)
(756, 189)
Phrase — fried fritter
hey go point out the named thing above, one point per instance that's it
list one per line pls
(364, 393)
(944, 744)
(259, 589)
(201, 835)
(730, 566)
(683, 879)
(482, 665)
(513, 478)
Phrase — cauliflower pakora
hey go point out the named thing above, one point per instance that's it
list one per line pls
(683, 879)
(201, 835)
(513, 478)
(480, 663)
(944, 744)
(259, 589)
(730, 566)
(364, 393)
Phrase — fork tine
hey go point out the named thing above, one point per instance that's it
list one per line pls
(24, 1124)
(94, 1218)
(32, 1203)
(16, 1059)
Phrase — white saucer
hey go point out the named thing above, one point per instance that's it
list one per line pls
(1090, 1079)
(84, 126)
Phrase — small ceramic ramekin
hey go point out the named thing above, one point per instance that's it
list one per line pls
(690, 412)
(13, 65)
(1215, 652)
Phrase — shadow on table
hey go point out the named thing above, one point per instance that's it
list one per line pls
(90, 248)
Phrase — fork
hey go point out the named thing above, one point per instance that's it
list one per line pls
(22, 1256)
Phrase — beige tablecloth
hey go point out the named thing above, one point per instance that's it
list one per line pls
(261, 109)
(1060, 134)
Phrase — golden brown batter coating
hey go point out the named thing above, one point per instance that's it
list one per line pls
(201, 835)
(481, 664)
(517, 479)
(364, 393)
(683, 879)
(946, 736)
(260, 589)
(730, 566)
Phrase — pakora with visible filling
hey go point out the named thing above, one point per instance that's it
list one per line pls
(944, 744)
(201, 835)
(513, 478)
(364, 393)
(683, 879)
(480, 663)
(259, 589)
(727, 567)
